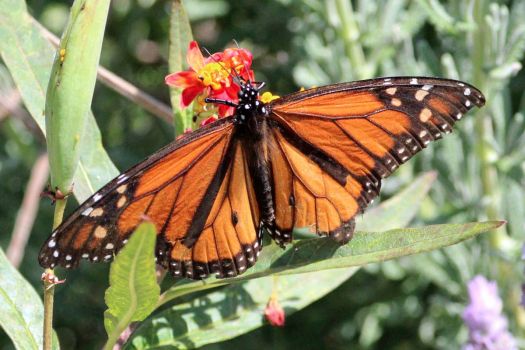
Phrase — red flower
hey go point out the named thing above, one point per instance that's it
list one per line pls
(274, 313)
(214, 76)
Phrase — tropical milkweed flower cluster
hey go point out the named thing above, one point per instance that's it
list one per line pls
(212, 77)
(484, 318)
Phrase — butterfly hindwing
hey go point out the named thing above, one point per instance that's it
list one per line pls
(355, 134)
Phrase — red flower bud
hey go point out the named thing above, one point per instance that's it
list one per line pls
(274, 313)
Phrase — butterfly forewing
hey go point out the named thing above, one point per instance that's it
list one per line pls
(356, 133)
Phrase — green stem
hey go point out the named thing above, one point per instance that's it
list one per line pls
(49, 286)
(350, 34)
(489, 176)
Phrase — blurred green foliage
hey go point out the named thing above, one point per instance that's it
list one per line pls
(413, 302)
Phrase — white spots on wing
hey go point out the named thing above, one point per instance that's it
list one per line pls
(427, 87)
(110, 246)
(413, 81)
(400, 151)
(466, 92)
(396, 102)
(95, 258)
(425, 115)
(391, 91)
(404, 158)
(68, 257)
(68, 266)
(467, 103)
(54, 234)
(87, 211)
(387, 81)
(422, 133)
(56, 253)
(263, 110)
(96, 212)
(421, 94)
(97, 197)
(52, 243)
(108, 257)
(85, 255)
(426, 142)
(122, 178)
(52, 265)
(121, 201)
(100, 232)
(122, 188)
(459, 116)
(251, 259)
(461, 84)
(125, 241)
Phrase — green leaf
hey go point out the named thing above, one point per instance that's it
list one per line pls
(29, 57)
(180, 37)
(21, 310)
(71, 87)
(133, 292)
(232, 311)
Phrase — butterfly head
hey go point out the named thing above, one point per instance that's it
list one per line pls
(249, 105)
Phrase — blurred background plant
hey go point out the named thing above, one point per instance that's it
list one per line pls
(413, 302)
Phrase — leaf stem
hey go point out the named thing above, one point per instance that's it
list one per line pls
(49, 286)
(351, 35)
(488, 174)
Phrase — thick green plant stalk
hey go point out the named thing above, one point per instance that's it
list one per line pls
(71, 88)
(68, 103)
(180, 37)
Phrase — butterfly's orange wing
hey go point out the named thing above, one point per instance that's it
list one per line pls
(205, 224)
(331, 146)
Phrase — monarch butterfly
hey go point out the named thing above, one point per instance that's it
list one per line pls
(314, 158)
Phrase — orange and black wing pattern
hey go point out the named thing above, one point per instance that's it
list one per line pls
(186, 190)
(332, 146)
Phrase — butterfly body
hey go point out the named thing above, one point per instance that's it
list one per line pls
(313, 159)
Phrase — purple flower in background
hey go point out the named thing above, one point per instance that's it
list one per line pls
(483, 316)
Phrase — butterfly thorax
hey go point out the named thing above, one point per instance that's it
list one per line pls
(249, 110)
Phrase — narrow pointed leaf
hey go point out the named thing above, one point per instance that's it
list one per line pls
(29, 58)
(133, 291)
(180, 37)
(71, 87)
(21, 310)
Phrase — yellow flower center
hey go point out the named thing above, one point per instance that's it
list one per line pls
(268, 97)
(214, 74)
